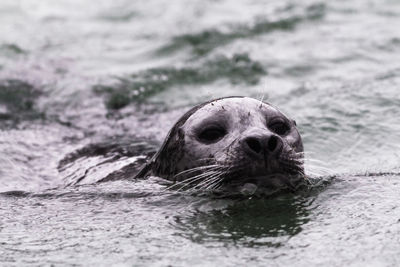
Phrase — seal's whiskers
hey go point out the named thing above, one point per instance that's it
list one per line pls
(208, 173)
(188, 181)
(206, 184)
(200, 168)
(207, 180)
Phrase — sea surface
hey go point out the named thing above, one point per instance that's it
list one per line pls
(89, 90)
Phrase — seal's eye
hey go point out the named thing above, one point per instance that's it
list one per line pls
(280, 128)
(211, 134)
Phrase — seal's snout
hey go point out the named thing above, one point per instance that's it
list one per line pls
(263, 145)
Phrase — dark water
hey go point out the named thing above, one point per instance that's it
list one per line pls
(89, 90)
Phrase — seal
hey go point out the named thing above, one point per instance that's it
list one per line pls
(231, 143)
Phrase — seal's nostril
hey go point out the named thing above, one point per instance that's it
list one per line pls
(254, 144)
(272, 143)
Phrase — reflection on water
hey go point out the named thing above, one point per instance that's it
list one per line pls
(205, 41)
(17, 102)
(251, 222)
(138, 87)
(88, 92)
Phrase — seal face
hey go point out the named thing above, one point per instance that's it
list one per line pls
(231, 142)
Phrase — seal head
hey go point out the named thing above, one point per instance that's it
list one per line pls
(231, 142)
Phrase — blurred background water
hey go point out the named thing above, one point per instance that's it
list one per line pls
(88, 90)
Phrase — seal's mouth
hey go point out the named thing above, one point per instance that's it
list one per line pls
(265, 184)
(233, 184)
(243, 176)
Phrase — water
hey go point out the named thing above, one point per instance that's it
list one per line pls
(88, 92)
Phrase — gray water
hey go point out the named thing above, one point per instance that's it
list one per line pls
(88, 91)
